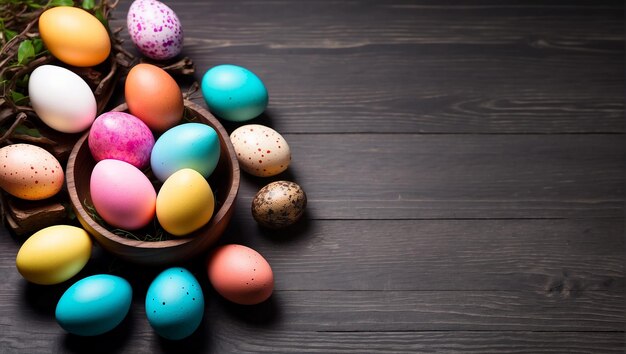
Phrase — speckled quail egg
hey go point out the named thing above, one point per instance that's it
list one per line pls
(279, 204)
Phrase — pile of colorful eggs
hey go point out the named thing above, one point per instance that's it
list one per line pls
(181, 158)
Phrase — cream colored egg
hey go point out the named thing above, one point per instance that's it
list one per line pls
(29, 172)
(261, 150)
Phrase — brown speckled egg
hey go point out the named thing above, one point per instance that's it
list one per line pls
(261, 151)
(29, 172)
(279, 204)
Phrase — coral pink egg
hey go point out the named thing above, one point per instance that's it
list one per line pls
(240, 274)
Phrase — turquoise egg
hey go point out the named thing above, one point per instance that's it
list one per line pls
(94, 305)
(175, 303)
(189, 145)
(234, 93)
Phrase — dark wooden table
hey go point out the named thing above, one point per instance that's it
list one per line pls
(465, 168)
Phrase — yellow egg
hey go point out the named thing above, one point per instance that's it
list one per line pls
(54, 254)
(74, 36)
(185, 202)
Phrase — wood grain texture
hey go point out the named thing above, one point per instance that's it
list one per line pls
(556, 258)
(464, 167)
(553, 257)
(412, 176)
(401, 66)
(225, 337)
(594, 311)
(421, 342)
(243, 340)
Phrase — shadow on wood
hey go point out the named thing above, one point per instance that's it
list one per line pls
(113, 341)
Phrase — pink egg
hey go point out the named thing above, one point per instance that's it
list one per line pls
(122, 195)
(121, 136)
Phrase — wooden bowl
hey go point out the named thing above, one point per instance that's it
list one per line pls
(224, 181)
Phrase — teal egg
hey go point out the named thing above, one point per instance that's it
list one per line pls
(189, 145)
(94, 305)
(175, 303)
(234, 93)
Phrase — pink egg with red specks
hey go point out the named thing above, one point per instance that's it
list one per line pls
(121, 136)
(155, 29)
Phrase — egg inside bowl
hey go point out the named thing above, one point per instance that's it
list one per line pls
(141, 248)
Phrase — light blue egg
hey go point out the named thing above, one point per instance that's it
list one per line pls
(175, 303)
(189, 145)
(94, 305)
(234, 93)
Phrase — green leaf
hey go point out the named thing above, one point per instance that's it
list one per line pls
(37, 45)
(8, 34)
(69, 211)
(16, 97)
(88, 4)
(35, 6)
(25, 52)
(22, 81)
(61, 3)
(24, 130)
(100, 16)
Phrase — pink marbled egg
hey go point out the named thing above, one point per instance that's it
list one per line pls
(121, 136)
(155, 29)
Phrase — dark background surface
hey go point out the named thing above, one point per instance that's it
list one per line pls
(464, 163)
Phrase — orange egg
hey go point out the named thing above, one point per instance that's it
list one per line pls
(154, 97)
(74, 36)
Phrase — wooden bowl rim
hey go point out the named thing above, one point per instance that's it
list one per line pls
(217, 217)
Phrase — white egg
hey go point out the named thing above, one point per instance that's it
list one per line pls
(261, 151)
(62, 99)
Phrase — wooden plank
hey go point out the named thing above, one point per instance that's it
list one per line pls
(389, 176)
(554, 258)
(249, 341)
(348, 23)
(433, 93)
(242, 339)
(430, 68)
(426, 310)
(365, 311)
(492, 91)
(253, 339)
